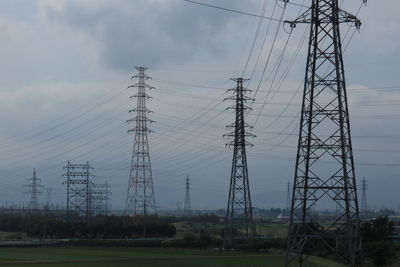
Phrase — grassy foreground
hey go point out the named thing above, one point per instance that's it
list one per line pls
(92, 256)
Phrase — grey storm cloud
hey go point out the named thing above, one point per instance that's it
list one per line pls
(149, 32)
(66, 65)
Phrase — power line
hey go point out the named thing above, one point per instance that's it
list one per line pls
(264, 7)
(232, 10)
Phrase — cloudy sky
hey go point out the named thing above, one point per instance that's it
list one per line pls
(65, 66)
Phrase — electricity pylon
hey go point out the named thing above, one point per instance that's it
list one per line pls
(79, 182)
(35, 190)
(48, 199)
(187, 208)
(288, 199)
(364, 204)
(324, 174)
(140, 198)
(239, 213)
(100, 196)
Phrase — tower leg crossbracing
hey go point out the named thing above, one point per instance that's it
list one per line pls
(239, 215)
(79, 183)
(140, 198)
(324, 172)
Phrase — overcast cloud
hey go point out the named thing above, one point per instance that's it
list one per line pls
(65, 66)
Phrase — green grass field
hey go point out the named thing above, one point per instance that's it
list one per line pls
(275, 230)
(99, 257)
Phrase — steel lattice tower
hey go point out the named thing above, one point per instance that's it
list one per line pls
(100, 197)
(288, 199)
(187, 208)
(324, 173)
(48, 198)
(35, 191)
(239, 213)
(140, 198)
(364, 204)
(79, 183)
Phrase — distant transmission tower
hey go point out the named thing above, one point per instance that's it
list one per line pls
(324, 173)
(239, 213)
(364, 204)
(187, 210)
(100, 195)
(35, 189)
(140, 198)
(48, 198)
(288, 199)
(79, 182)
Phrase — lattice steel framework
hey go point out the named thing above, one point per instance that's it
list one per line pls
(35, 189)
(48, 199)
(79, 181)
(364, 204)
(140, 198)
(187, 208)
(239, 214)
(288, 199)
(324, 174)
(100, 194)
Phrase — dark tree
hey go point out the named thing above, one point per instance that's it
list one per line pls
(377, 240)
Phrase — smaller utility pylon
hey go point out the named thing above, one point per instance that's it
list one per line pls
(187, 210)
(288, 199)
(364, 204)
(100, 194)
(79, 182)
(48, 199)
(34, 190)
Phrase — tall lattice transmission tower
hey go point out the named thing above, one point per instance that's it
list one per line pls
(324, 173)
(140, 198)
(364, 204)
(35, 189)
(239, 214)
(187, 208)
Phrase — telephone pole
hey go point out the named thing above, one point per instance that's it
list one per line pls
(187, 210)
(140, 198)
(35, 190)
(239, 213)
(324, 173)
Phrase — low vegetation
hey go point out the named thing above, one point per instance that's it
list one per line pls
(98, 227)
(99, 257)
(203, 232)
